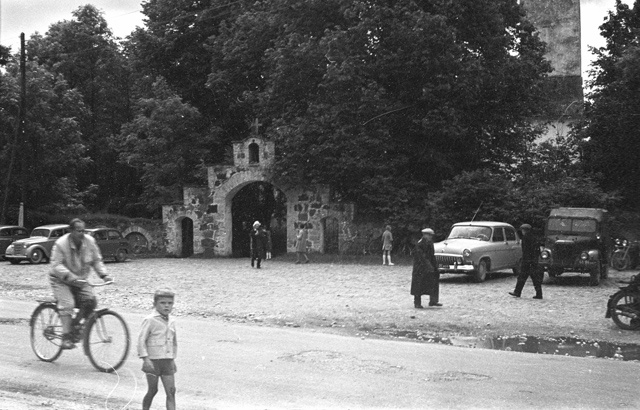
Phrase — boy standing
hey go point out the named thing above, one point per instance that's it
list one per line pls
(157, 347)
(387, 245)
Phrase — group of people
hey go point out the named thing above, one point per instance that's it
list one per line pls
(425, 279)
(75, 253)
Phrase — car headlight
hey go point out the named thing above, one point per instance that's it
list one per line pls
(466, 253)
(545, 254)
(584, 256)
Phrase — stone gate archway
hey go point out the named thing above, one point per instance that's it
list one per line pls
(210, 208)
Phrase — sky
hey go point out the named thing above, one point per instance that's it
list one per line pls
(29, 16)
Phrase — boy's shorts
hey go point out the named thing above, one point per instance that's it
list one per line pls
(163, 367)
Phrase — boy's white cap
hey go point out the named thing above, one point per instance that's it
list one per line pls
(429, 231)
(256, 223)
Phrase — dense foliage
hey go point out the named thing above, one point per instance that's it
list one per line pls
(608, 137)
(418, 111)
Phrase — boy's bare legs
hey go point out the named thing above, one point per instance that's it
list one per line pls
(152, 389)
(170, 389)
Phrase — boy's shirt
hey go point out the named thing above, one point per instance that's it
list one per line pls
(157, 338)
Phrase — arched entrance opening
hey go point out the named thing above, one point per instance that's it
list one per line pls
(331, 230)
(186, 237)
(263, 202)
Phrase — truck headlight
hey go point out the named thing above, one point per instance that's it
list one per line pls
(545, 254)
(466, 253)
(584, 256)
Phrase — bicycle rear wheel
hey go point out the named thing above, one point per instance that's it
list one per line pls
(106, 341)
(46, 332)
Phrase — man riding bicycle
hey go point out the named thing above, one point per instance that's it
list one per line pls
(72, 257)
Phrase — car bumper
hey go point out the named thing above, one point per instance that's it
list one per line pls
(16, 257)
(456, 268)
(576, 266)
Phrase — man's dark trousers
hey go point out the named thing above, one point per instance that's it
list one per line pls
(529, 268)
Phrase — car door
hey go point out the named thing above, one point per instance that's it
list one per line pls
(514, 253)
(102, 240)
(5, 239)
(115, 239)
(499, 246)
(19, 233)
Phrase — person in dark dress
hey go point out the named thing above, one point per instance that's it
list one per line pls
(530, 253)
(425, 278)
(258, 244)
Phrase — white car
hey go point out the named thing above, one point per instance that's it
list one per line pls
(478, 248)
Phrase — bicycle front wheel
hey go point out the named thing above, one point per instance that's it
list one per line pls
(620, 260)
(46, 332)
(106, 341)
(625, 310)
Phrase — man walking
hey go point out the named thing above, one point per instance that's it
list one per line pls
(425, 278)
(530, 252)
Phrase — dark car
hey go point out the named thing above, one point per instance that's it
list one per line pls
(577, 240)
(37, 247)
(111, 242)
(9, 234)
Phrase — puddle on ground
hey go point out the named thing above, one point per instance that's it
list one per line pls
(565, 346)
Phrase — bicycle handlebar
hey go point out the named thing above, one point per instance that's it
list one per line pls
(94, 285)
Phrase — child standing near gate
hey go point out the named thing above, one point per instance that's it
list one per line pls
(157, 347)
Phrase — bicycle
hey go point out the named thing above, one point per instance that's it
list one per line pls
(104, 335)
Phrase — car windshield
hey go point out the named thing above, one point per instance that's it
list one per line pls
(40, 232)
(482, 233)
(571, 226)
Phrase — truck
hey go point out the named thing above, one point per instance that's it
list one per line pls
(577, 240)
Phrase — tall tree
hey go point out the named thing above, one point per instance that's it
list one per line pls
(174, 45)
(85, 52)
(166, 144)
(384, 100)
(52, 152)
(608, 136)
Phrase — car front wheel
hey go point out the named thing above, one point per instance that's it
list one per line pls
(121, 255)
(481, 273)
(36, 256)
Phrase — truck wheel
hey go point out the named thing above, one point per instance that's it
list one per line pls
(555, 272)
(481, 273)
(595, 276)
(518, 268)
(604, 271)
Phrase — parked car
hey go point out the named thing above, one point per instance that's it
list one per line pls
(112, 244)
(577, 240)
(9, 234)
(37, 247)
(478, 248)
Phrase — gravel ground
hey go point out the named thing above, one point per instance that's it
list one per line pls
(356, 297)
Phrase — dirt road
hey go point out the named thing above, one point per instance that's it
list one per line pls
(224, 365)
(362, 298)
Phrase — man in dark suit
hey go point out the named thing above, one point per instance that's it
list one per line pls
(425, 278)
(258, 244)
(530, 253)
